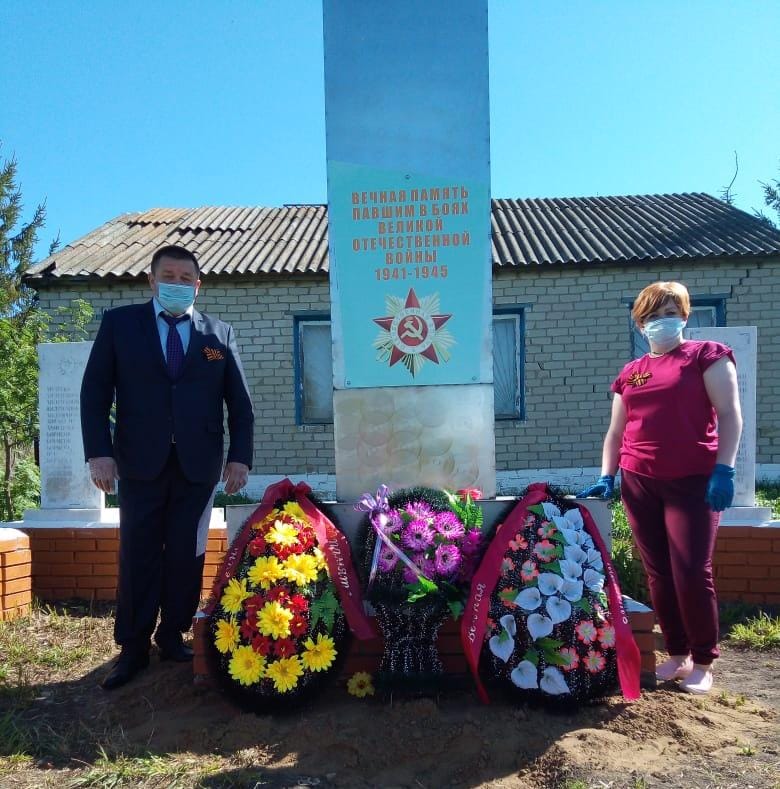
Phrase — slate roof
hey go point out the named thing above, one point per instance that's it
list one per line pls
(527, 232)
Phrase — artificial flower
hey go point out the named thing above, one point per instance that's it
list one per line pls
(299, 604)
(545, 550)
(388, 559)
(550, 583)
(233, 595)
(572, 590)
(447, 560)
(550, 510)
(507, 565)
(417, 535)
(301, 569)
(294, 510)
(256, 546)
(284, 647)
(574, 553)
(360, 685)
(546, 530)
(519, 543)
(282, 534)
(322, 563)
(606, 636)
(448, 525)
(419, 510)
(319, 655)
(528, 570)
(558, 610)
(594, 559)
(262, 644)
(570, 570)
(530, 599)
(274, 620)
(569, 657)
(227, 635)
(265, 571)
(539, 626)
(246, 666)
(299, 625)
(593, 580)
(524, 675)
(586, 631)
(594, 661)
(285, 673)
(553, 682)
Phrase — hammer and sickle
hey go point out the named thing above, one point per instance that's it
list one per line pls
(413, 327)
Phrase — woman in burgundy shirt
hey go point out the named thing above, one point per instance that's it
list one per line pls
(674, 433)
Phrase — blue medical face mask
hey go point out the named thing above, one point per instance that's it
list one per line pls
(663, 330)
(176, 299)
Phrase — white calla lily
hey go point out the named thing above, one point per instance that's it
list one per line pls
(539, 626)
(572, 590)
(509, 624)
(593, 580)
(574, 518)
(572, 536)
(550, 509)
(502, 646)
(558, 609)
(575, 554)
(594, 559)
(553, 682)
(549, 583)
(525, 675)
(530, 599)
(570, 570)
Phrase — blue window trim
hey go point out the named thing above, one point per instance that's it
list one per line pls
(298, 319)
(517, 310)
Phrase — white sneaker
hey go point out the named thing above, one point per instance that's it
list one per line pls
(677, 667)
(699, 681)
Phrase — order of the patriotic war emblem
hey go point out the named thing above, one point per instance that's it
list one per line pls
(412, 332)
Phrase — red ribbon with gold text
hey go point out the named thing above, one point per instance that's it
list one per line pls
(472, 629)
(330, 540)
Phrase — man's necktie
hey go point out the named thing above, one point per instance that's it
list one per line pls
(174, 350)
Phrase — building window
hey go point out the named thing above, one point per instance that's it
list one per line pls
(509, 363)
(314, 367)
(705, 311)
(313, 370)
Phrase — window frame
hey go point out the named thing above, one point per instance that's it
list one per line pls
(516, 311)
(299, 320)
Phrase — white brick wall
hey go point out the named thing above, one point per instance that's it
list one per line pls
(577, 339)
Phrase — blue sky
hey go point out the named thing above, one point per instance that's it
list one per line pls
(114, 107)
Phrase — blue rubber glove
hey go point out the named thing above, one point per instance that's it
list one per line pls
(720, 488)
(604, 488)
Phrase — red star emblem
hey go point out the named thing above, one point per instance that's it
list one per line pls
(411, 329)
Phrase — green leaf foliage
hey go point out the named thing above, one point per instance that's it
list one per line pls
(324, 608)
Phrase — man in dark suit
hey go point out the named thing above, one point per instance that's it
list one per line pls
(170, 369)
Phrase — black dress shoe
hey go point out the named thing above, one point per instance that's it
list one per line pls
(179, 653)
(126, 667)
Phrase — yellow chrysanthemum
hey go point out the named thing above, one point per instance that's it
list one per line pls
(265, 571)
(319, 557)
(268, 520)
(274, 620)
(300, 568)
(235, 593)
(285, 673)
(247, 666)
(293, 509)
(227, 635)
(319, 656)
(360, 685)
(282, 533)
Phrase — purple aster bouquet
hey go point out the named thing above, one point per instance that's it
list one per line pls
(422, 548)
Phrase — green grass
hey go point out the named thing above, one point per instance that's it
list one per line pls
(768, 495)
(760, 632)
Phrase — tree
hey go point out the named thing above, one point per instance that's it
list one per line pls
(772, 198)
(22, 326)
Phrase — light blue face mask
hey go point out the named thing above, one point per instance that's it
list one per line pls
(176, 299)
(664, 332)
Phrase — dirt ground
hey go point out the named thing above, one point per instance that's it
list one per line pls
(667, 738)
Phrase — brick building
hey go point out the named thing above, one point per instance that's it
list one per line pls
(565, 272)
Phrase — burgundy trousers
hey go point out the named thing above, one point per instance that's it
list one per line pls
(675, 530)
